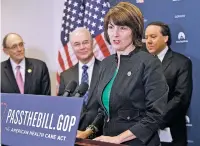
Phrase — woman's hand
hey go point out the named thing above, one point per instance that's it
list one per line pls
(110, 139)
(125, 136)
(83, 134)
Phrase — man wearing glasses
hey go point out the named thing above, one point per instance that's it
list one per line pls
(20, 74)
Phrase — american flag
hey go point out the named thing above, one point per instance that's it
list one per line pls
(82, 13)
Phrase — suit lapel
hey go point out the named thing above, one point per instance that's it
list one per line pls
(10, 75)
(167, 59)
(28, 75)
(94, 78)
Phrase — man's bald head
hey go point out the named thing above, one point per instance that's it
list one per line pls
(4, 44)
(79, 31)
(13, 46)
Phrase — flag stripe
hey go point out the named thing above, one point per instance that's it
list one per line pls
(69, 61)
(58, 77)
(102, 45)
(60, 60)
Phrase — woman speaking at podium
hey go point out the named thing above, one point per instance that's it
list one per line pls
(132, 90)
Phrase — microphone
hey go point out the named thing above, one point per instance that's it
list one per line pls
(70, 88)
(82, 89)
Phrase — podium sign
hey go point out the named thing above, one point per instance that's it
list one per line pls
(30, 120)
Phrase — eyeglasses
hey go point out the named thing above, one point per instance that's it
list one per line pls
(15, 46)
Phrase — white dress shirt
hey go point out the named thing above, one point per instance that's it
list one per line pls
(22, 68)
(90, 65)
(161, 55)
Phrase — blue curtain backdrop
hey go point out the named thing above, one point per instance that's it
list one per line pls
(183, 17)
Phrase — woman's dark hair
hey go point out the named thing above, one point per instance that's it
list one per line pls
(126, 14)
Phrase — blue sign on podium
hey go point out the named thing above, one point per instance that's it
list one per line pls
(30, 120)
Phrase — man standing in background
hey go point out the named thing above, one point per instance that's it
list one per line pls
(86, 70)
(178, 72)
(20, 74)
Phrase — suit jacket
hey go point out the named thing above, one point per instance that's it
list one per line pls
(36, 82)
(138, 97)
(89, 111)
(178, 72)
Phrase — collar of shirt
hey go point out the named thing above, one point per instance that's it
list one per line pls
(22, 68)
(161, 55)
(90, 65)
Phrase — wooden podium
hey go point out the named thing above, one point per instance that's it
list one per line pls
(88, 142)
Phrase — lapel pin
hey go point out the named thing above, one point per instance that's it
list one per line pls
(29, 70)
(129, 73)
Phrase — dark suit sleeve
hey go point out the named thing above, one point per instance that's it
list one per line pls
(182, 93)
(62, 85)
(99, 120)
(156, 91)
(45, 83)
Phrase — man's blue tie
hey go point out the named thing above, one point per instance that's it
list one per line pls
(85, 79)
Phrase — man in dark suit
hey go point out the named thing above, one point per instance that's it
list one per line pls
(82, 44)
(177, 69)
(20, 74)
